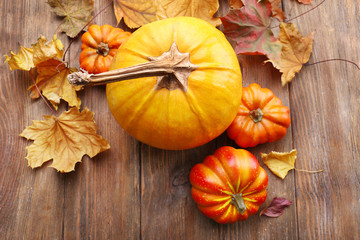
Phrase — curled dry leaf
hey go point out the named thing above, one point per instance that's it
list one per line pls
(226, 5)
(276, 207)
(52, 81)
(64, 139)
(248, 27)
(277, 12)
(41, 51)
(296, 51)
(280, 163)
(76, 14)
(139, 12)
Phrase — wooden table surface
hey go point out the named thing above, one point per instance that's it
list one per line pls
(134, 191)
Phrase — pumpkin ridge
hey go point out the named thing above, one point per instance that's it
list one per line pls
(229, 182)
(223, 192)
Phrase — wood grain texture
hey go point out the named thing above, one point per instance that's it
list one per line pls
(325, 109)
(134, 191)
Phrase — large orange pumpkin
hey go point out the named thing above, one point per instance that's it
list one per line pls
(185, 109)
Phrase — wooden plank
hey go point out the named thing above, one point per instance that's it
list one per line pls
(325, 110)
(102, 199)
(284, 227)
(32, 200)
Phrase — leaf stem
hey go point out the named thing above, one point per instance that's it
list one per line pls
(42, 96)
(288, 20)
(334, 59)
(72, 40)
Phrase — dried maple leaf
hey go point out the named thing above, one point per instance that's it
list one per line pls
(276, 207)
(64, 139)
(280, 162)
(52, 81)
(277, 12)
(248, 27)
(296, 51)
(41, 51)
(204, 9)
(76, 12)
(135, 12)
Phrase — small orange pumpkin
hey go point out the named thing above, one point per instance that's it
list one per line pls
(261, 118)
(229, 185)
(99, 45)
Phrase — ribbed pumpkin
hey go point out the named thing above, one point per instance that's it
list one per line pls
(99, 45)
(172, 114)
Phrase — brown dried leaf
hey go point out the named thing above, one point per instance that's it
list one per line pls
(236, 4)
(52, 81)
(276, 207)
(64, 139)
(277, 12)
(296, 51)
(76, 12)
(280, 162)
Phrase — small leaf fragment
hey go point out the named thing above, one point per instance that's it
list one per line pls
(276, 207)
(277, 12)
(296, 51)
(304, 1)
(76, 12)
(280, 163)
(52, 81)
(248, 27)
(64, 139)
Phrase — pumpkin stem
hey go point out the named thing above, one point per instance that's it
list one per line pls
(238, 201)
(256, 115)
(103, 49)
(172, 68)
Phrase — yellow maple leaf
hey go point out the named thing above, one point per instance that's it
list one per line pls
(296, 51)
(44, 50)
(65, 139)
(280, 163)
(23, 60)
(52, 81)
(41, 51)
(191, 8)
